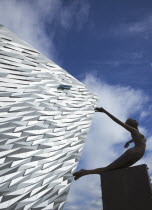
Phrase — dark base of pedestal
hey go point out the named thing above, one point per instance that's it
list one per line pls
(127, 189)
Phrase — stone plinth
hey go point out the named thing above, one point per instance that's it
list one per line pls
(127, 189)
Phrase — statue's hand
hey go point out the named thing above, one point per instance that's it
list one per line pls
(99, 109)
(126, 145)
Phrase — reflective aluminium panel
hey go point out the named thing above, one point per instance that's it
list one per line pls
(42, 127)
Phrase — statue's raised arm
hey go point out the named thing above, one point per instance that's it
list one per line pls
(124, 125)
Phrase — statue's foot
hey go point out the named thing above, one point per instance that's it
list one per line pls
(78, 174)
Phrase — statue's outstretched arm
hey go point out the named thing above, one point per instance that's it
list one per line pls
(127, 127)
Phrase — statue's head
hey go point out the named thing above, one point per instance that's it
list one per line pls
(133, 123)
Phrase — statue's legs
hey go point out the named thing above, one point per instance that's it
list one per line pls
(128, 158)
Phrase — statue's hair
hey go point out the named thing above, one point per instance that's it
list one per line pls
(132, 122)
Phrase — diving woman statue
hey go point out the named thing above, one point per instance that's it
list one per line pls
(130, 156)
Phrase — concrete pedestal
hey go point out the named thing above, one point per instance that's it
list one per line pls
(127, 189)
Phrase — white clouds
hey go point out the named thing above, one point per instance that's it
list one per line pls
(149, 143)
(123, 102)
(123, 98)
(141, 27)
(75, 14)
(106, 139)
(144, 114)
(28, 20)
(85, 194)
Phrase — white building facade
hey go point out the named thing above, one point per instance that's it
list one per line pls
(42, 127)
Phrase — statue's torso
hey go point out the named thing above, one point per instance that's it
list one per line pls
(139, 140)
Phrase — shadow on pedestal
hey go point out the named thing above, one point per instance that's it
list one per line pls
(127, 189)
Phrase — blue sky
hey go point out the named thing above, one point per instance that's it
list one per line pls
(114, 41)
(107, 45)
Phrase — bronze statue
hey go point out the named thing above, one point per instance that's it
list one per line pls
(130, 156)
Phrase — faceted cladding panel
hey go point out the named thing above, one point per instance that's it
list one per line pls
(43, 128)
